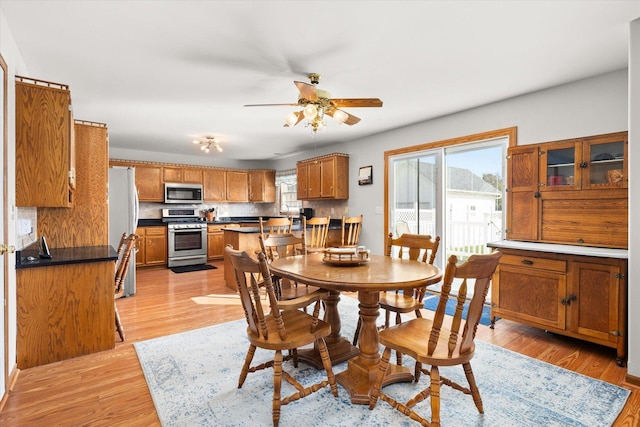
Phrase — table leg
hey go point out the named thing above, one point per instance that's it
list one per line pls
(362, 370)
(340, 348)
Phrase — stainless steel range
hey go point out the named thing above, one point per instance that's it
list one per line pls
(187, 234)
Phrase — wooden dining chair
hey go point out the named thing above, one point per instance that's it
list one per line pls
(279, 330)
(438, 342)
(125, 248)
(418, 247)
(277, 246)
(275, 225)
(315, 231)
(351, 228)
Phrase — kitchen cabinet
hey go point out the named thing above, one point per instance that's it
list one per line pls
(237, 186)
(573, 192)
(149, 183)
(324, 177)
(262, 186)
(581, 295)
(215, 240)
(45, 150)
(182, 175)
(152, 246)
(87, 224)
(215, 185)
(65, 305)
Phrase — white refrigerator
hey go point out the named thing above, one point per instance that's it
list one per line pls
(123, 215)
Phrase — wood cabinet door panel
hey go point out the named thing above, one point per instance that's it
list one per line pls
(172, 174)
(594, 312)
(590, 222)
(215, 185)
(531, 295)
(43, 146)
(237, 186)
(522, 189)
(192, 175)
(328, 178)
(149, 183)
(302, 178)
(314, 177)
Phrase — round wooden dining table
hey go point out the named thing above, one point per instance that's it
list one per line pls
(380, 273)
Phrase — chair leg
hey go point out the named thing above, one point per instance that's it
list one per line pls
(382, 370)
(435, 396)
(398, 354)
(326, 362)
(277, 383)
(247, 363)
(474, 388)
(119, 327)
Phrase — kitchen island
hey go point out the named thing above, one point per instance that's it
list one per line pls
(65, 303)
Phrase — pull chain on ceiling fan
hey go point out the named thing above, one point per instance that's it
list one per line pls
(317, 103)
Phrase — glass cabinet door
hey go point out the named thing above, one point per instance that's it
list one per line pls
(604, 162)
(559, 166)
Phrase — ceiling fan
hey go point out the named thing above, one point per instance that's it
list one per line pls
(317, 103)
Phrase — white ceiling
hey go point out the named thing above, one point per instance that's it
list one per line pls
(162, 72)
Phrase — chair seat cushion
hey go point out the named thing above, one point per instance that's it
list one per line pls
(399, 302)
(412, 338)
(298, 326)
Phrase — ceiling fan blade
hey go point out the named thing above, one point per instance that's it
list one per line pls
(357, 102)
(299, 115)
(307, 90)
(271, 105)
(351, 119)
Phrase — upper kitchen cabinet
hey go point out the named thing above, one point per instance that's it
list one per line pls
(88, 222)
(149, 183)
(214, 182)
(45, 150)
(325, 177)
(183, 175)
(237, 186)
(262, 186)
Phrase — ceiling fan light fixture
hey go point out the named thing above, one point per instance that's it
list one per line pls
(340, 116)
(310, 112)
(291, 119)
(217, 147)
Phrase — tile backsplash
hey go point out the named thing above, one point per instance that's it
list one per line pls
(26, 227)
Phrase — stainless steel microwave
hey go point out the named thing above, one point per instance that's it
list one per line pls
(175, 192)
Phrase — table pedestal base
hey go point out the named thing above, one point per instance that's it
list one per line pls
(359, 378)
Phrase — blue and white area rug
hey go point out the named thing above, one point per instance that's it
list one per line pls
(193, 379)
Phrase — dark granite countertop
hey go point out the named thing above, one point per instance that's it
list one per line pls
(28, 257)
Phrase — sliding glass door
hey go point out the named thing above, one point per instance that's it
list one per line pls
(455, 192)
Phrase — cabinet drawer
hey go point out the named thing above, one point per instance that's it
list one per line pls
(535, 262)
(156, 231)
(215, 228)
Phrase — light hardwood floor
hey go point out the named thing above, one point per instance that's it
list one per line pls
(109, 389)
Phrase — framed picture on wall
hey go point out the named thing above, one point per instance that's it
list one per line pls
(365, 176)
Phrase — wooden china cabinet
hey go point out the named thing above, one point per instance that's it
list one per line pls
(564, 264)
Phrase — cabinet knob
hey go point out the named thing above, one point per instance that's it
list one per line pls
(580, 240)
(527, 262)
(583, 165)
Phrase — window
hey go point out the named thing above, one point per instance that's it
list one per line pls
(286, 183)
(452, 189)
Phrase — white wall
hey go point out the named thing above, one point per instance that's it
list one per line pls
(634, 201)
